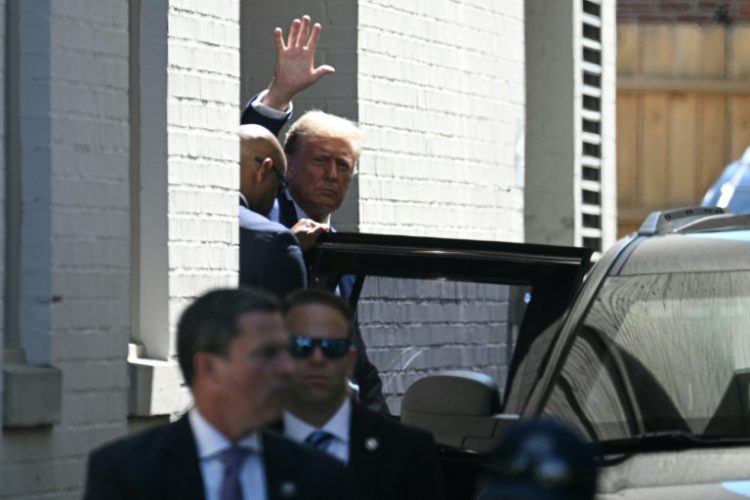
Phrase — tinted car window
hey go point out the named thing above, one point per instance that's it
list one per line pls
(660, 352)
(417, 327)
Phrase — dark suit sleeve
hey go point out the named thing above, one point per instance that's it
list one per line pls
(367, 377)
(426, 481)
(101, 482)
(285, 269)
(250, 116)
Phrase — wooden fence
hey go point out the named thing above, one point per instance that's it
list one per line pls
(683, 113)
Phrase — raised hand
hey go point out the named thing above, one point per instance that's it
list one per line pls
(295, 63)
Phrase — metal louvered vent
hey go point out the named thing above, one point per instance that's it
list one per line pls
(591, 126)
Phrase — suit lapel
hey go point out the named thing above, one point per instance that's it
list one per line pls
(180, 476)
(287, 212)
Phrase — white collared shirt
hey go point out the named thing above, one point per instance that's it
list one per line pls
(338, 426)
(268, 111)
(211, 443)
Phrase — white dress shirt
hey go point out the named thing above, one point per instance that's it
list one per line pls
(211, 444)
(338, 426)
(268, 111)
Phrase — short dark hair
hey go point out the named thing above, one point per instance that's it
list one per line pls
(210, 323)
(321, 297)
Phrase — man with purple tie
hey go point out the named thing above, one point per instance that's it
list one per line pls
(233, 353)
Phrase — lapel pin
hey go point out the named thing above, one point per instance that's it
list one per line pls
(288, 489)
(372, 444)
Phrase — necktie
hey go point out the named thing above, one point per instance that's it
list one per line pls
(320, 440)
(232, 457)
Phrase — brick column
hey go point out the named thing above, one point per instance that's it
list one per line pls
(186, 231)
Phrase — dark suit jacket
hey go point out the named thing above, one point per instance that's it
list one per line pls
(270, 255)
(162, 464)
(389, 460)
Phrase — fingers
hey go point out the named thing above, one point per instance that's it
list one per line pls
(293, 36)
(312, 42)
(304, 31)
(321, 71)
(279, 38)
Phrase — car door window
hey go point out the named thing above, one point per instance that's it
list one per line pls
(417, 327)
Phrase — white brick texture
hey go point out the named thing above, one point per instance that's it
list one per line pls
(74, 137)
(441, 102)
(203, 149)
(75, 134)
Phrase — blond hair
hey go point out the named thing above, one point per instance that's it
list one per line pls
(319, 124)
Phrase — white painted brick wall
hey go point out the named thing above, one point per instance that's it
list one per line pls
(87, 107)
(83, 102)
(203, 149)
(441, 102)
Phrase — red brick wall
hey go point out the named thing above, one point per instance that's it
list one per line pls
(683, 11)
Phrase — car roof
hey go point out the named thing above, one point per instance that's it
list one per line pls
(689, 240)
(690, 252)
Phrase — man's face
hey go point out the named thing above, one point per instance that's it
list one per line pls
(318, 379)
(319, 174)
(252, 379)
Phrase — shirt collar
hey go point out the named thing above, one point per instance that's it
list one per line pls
(211, 443)
(338, 425)
(243, 200)
(301, 214)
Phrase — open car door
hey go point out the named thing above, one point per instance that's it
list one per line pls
(518, 290)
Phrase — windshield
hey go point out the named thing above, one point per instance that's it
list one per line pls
(660, 353)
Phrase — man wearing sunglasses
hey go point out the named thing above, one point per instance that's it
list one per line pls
(386, 459)
(270, 254)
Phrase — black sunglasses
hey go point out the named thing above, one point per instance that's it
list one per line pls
(302, 347)
(283, 181)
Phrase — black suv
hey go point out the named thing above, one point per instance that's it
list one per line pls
(648, 357)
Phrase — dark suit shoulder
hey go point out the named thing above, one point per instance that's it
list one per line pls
(404, 433)
(257, 222)
(139, 444)
(120, 470)
(314, 474)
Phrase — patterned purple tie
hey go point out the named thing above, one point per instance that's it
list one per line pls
(232, 457)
